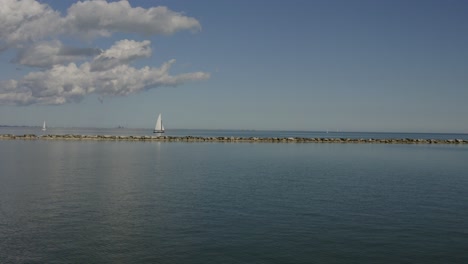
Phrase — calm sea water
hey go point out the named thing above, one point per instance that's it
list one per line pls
(161, 202)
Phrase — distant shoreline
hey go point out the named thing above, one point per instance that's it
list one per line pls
(162, 138)
(241, 130)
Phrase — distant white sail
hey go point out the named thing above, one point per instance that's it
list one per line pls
(44, 127)
(159, 127)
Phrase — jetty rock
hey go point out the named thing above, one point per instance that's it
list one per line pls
(232, 139)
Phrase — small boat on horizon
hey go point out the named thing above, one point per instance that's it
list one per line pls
(44, 128)
(159, 127)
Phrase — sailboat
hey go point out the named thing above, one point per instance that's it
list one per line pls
(159, 128)
(44, 127)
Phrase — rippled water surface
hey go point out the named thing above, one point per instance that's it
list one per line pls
(150, 202)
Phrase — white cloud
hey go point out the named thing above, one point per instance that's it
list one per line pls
(23, 21)
(71, 83)
(100, 18)
(122, 52)
(47, 54)
(26, 21)
(34, 31)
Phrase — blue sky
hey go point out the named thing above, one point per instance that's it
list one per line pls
(279, 65)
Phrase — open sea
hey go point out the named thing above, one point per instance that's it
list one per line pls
(205, 202)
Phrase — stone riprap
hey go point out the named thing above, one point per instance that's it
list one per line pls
(232, 139)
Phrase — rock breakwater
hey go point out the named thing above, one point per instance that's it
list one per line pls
(232, 139)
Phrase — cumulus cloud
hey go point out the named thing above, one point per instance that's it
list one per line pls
(47, 54)
(23, 21)
(122, 52)
(68, 74)
(100, 18)
(26, 21)
(71, 83)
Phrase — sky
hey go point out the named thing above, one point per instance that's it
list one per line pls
(383, 66)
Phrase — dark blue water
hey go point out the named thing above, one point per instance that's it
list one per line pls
(161, 202)
(227, 133)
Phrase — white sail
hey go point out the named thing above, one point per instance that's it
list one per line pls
(159, 128)
(44, 126)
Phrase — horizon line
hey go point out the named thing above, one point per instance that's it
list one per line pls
(231, 129)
